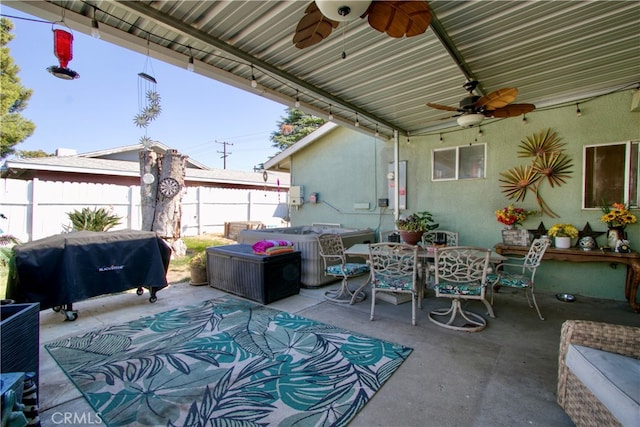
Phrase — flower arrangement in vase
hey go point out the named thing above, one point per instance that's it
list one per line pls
(511, 216)
(617, 217)
(412, 227)
(563, 233)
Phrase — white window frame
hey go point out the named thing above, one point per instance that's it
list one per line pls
(440, 173)
(628, 198)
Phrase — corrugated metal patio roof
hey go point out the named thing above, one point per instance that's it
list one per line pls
(554, 52)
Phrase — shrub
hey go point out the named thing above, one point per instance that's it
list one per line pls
(96, 219)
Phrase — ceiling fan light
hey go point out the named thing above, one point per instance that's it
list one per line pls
(343, 10)
(469, 120)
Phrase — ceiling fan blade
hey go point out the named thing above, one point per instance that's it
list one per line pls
(498, 98)
(399, 18)
(442, 107)
(510, 110)
(312, 28)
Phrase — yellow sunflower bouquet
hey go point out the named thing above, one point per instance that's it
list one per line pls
(617, 216)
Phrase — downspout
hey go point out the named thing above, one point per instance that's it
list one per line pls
(396, 176)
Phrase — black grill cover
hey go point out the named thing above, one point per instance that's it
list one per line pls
(67, 268)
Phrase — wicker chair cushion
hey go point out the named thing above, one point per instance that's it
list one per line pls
(350, 269)
(510, 280)
(401, 283)
(450, 288)
(612, 378)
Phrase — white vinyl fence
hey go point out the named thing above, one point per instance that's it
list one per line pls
(36, 209)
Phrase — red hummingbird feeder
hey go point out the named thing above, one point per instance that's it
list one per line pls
(63, 50)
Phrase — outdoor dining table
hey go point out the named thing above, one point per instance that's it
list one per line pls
(425, 254)
(361, 250)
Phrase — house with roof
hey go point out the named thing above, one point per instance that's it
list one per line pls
(38, 192)
(459, 176)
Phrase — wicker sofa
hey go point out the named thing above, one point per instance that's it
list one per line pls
(589, 391)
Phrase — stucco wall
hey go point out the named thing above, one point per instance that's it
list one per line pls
(346, 168)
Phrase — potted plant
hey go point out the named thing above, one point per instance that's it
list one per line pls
(413, 226)
(198, 268)
(617, 220)
(511, 216)
(563, 233)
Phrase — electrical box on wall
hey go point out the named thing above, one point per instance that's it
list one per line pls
(313, 198)
(296, 196)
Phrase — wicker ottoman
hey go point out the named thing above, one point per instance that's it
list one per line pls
(577, 400)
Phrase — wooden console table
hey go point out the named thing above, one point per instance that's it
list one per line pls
(632, 261)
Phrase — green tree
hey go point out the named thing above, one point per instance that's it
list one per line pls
(13, 97)
(31, 154)
(294, 127)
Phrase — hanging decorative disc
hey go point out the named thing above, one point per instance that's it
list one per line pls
(168, 187)
(148, 178)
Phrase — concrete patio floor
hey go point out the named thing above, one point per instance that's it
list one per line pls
(504, 375)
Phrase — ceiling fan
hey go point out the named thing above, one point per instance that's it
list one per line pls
(395, 18)
(474, 108)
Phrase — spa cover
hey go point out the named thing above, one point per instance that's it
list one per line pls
(67, 268)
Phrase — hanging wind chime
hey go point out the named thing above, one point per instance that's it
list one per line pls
(63, 50)
(148, 100)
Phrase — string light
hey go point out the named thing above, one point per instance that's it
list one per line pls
(377, 133)
(95, 31)
(297, 104)
(357, 123)
(254, 82)
(190, 63)
(524, 119)
(94, 25)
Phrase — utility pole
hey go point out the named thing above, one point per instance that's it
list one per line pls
(224, 152)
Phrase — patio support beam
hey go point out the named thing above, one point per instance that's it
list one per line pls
(160, 18)
(396, 174)
(453, 51)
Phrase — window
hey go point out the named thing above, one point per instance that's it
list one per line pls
(610, 174)
(463, 162)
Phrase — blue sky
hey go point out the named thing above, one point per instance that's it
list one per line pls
(96, 111)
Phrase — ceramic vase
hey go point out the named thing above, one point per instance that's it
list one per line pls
(587, 243)
(563, 242)
(614, 234)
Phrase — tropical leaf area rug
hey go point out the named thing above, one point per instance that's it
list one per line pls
(227, 362)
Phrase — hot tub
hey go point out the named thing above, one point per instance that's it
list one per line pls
(304, 240)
